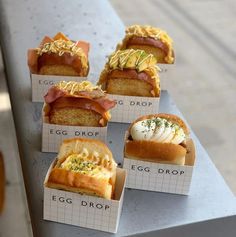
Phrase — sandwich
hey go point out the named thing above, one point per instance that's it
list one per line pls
(150, 39)
(77, 104)
(160, 138)
(84, 166)
(131, 72)
(59, 56)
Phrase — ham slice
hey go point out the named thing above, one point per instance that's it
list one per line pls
(55, 93)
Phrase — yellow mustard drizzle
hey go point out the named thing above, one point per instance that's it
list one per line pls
(60, 47)
(119, 59)
(72, 86)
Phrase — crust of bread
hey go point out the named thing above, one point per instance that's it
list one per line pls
(160, 152)
(60, 178)
(79, 183)
(75, 145)
(2, 183)
(155, 152)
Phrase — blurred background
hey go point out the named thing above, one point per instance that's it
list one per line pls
(202, 82)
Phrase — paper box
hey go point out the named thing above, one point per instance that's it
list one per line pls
(41, 83)
(129, 108)
(165, 75)
(53, 134)
(83, 210)
(166, 178)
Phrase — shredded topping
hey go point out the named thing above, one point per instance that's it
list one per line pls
(148, 31)
(131, 58)
(72, 87)
(60, 47)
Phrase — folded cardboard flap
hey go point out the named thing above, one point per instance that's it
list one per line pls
(119, 186)
(190, 156)
(120, 183)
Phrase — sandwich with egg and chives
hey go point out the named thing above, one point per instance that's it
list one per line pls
(84, 166)
(161, 138)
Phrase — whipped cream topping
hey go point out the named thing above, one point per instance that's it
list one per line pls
(158, 129)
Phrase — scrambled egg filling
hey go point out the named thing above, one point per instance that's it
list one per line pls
(76, 163)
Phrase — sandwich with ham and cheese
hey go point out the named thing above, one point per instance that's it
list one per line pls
(59, 56)
(161, 138)
(78, 104)
(84, 166)
(151, 40)
(131, 72)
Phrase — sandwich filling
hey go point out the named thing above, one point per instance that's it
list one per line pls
(158, 129)
(89, 164)
(131, 59)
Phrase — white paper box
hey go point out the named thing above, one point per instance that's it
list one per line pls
(160, 177)
(41, 83)
(53, 135)
(83, 210)
(165, 75)
(129, 108)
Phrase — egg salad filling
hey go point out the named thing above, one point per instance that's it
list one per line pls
(158, 129)
(79, 164)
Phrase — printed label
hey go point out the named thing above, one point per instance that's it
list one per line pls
(41, 84)
(158, 177)
(53, 135)
(129, 108)
(81, 210)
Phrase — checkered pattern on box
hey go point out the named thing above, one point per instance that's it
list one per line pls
(41, 84)
(160, 177)
(129, 108)
(53, 135)
(81, 210)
